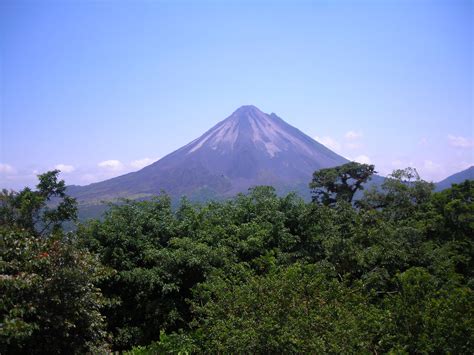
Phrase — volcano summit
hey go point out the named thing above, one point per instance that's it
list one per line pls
(246, 149)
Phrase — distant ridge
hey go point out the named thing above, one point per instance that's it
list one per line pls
(457, 178)
(246, 149)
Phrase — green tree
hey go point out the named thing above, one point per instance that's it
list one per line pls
(49, 301)
(339, 183)
(401, 195)
(426, 318)
(157, 259)
(453, 225)
(39, 211)
(261, 273)
(298, 309)
(456, 205)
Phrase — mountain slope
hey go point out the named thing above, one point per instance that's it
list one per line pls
(248, 148)
(457, 178)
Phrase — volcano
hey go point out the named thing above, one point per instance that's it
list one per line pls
(246, 149)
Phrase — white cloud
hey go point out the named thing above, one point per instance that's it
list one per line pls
(423, 141)
(352, 135)
(363, 159)
(111, 165)
(6, 169)
(141, 163)
(459, 141)
(65, 168)
(431, 166)
(432, 171)
(329, 142)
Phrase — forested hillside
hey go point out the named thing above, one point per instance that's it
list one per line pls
(467, 174)
(392, 272)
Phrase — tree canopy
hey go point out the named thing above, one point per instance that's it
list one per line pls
(39, 211)
(340, 183)
(258, 273)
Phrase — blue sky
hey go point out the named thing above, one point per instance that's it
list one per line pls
(100, 88)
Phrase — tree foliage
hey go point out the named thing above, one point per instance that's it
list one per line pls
(299, 308)
(257, 273)
(339, 183)
(49, 299)
(39, 211)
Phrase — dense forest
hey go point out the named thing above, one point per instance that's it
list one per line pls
(391, 271)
